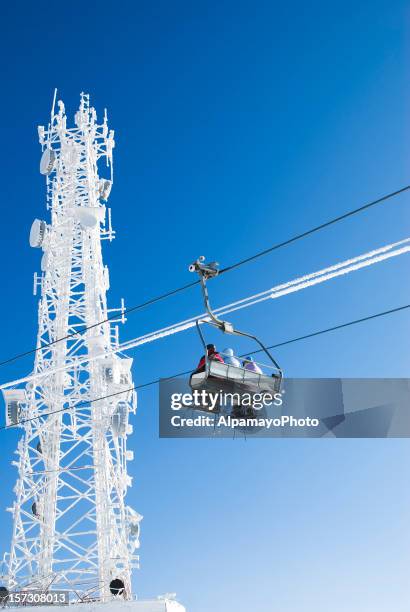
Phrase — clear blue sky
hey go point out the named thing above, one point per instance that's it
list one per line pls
(237, 125)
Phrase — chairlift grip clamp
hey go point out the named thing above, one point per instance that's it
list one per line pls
(203, 269)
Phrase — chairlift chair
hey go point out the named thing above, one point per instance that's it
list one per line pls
(222, 377)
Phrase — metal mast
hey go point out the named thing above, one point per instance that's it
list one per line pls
(72, 529)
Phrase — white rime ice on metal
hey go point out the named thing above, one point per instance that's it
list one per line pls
(72, 528)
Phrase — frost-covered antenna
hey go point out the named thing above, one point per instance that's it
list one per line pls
(72, 528)
(53, 106)
(47, 142)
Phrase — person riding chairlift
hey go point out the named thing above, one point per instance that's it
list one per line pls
(212, 354)
(250, 364)
(230, 359)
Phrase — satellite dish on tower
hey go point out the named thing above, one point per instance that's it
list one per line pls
(37, 233)
(44, 262)
(47, 161)
(89, 216)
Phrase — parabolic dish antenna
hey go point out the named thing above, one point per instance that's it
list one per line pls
(47, 161)
(44, 262)
(88, 216)
(37, 233)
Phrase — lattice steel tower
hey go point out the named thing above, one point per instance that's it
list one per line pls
(72, 529)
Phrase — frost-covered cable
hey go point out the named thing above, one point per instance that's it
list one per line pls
(303, 282)
(342, 268)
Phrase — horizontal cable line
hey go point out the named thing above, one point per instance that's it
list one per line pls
(298, 284)
(164, 296)
(158, 380)
(315, 229)
(303, 282)
(334, 328)
(107, 320)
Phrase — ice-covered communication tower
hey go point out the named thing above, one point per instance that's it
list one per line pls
(72, 527)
